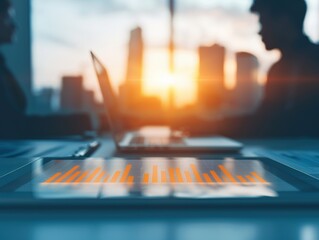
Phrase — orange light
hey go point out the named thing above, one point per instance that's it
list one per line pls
(115, 176)
(196, 173)
(188, 177)
(227, 174)
(207, 178)
(242, 179)
(172, 175)
(146, 178)
(216, 177)
(179, 175)
(259, 178)
(100, 177)
(155, 174)
(73, 177)
(126, 173)
(53, 177)
(164, 177)
(68, 173)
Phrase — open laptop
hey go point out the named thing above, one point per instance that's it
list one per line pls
(153, 139)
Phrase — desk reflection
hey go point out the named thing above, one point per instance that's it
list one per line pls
(139, 225)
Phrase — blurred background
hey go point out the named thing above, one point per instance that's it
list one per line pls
(199, 58)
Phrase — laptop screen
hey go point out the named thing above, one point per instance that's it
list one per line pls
(109, 99)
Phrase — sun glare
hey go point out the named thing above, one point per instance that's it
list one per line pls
(168, 80)
(159, 81)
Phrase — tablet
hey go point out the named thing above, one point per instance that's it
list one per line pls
(157, 181)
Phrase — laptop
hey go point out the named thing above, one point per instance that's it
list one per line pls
(153, 139)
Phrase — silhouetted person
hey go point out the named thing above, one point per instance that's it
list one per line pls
(291, 102)
(14, 122)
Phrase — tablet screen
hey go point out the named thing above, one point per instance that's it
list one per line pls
(159, 178)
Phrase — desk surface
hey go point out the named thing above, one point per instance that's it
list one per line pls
(167, 224)
(173, 225)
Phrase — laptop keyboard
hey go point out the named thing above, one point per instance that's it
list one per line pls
(306, 161)
(156, 141)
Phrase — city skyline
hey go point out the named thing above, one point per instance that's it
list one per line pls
(237, 32)
(212, 96)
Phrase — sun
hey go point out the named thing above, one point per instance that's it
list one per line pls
(168, 80)
(159, 81)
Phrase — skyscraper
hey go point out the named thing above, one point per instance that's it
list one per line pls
(172, 7)
(211, 77)
(44, 101)
(89, 102)
(71, 98)
(247, 88)
(134, 75)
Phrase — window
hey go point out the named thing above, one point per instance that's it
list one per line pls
(65, 30)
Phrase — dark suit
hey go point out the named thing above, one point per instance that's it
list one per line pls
(15, 123)
(291, 102)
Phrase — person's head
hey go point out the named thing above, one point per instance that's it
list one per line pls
(281, 21)
(7, 23)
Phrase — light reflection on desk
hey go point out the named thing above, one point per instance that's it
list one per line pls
(168, 225)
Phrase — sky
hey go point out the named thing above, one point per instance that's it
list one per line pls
(65, 30)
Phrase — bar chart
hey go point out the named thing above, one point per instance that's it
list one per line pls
(156, 174)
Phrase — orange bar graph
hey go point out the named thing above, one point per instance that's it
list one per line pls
(207, 178)
(216, 177)
(106, 179)
(242, 179)
(73, 177)
(250, 179)
(51, 179)
(259, 178)
(115, 176)
(164, 177)
(83, 175)
(68, 173)
(93, 175)
(227, 174)
(146, 178)
(172, 175)
(179, 175)
(155, 174)
(100, 177)
(130, 180)
(126, 173)
(196, 173)
(225, 179)
(188, 177)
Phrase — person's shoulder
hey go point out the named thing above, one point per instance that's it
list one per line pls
(276, 68)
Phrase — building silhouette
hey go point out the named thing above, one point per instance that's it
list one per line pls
(211, 77)
(90, 103)
(131, 90)
(71, 98)
(75, 98)
(44, 101)
(132, 101)
(247, 88)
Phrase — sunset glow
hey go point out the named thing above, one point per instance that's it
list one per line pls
(158, 80)
(61, 44)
